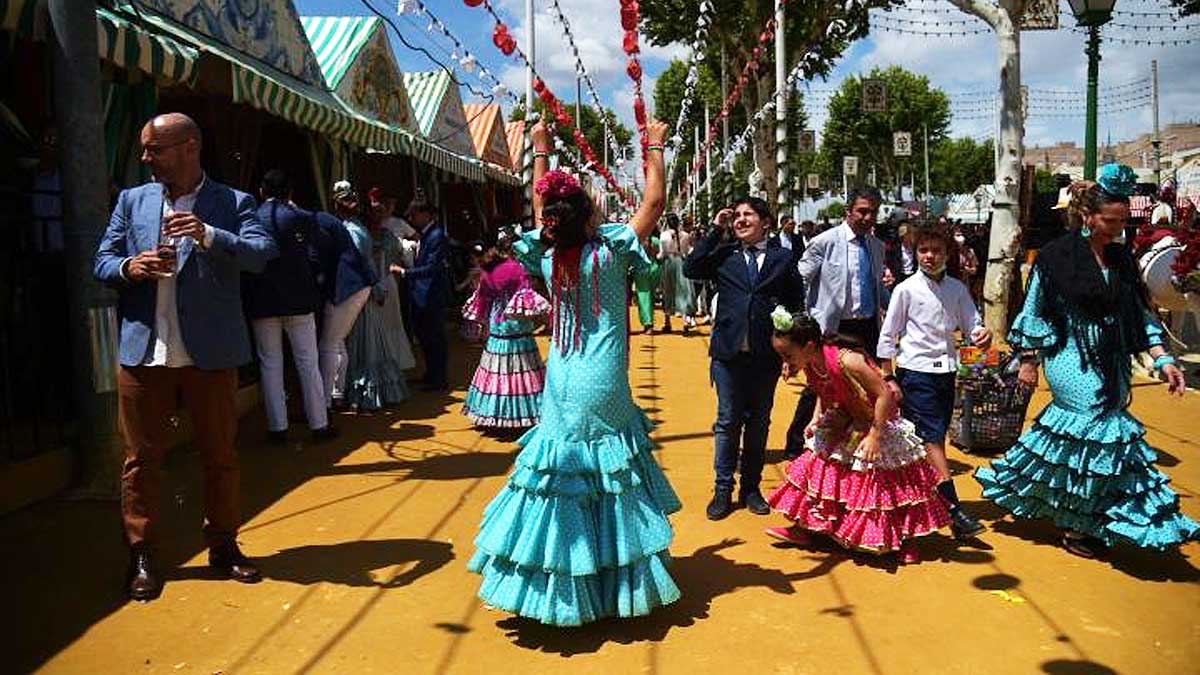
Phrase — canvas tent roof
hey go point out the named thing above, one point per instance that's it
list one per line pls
(438, 110)
(515, 131)
(487, 132)
(358, 64)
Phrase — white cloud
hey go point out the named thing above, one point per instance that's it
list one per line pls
(1050, 60)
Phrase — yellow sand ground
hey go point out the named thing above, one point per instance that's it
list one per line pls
(365, 540)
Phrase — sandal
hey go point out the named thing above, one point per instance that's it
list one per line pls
(909, 555)
(1082, 545)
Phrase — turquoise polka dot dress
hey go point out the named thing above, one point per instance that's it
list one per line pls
(580, 532)
(1082, 465)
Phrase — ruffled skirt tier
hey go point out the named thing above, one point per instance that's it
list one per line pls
(506, 390)
(580, 531)
(872, 508)
(1091, 474)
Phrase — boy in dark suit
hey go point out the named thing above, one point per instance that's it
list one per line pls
(752, 275)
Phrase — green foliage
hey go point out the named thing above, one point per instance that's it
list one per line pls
(835, 211)
(912, 104)
(959, 165)
(593, 129)
(1044, 181)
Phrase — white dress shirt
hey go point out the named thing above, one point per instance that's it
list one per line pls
(168, 349)
(853, 305)
(923, 314)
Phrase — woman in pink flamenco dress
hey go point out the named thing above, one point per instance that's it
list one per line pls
(863, 479)
(506, 391)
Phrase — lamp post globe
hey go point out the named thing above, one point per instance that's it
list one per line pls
(1092, 14)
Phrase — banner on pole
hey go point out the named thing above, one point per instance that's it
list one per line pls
(814, 181)
(808, 141)
(874, 96)
(850, 165)
(902, 144)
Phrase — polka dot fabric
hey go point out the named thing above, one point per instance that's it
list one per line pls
(580, 531)
(1085, 467)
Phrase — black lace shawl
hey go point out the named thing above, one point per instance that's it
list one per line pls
(1077, 297)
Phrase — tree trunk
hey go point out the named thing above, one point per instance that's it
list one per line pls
(1004, 245)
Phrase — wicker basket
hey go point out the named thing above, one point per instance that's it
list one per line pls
(989, 412)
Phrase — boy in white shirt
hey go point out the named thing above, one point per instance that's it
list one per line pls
(925, 311)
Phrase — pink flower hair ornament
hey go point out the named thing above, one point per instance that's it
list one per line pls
(557, 185)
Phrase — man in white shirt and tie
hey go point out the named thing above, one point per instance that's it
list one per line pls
(843, 273)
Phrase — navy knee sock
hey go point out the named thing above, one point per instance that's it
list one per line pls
(948, 494)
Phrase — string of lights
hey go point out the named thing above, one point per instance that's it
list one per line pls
(582, 72)
(1175, 42)
(508, 46)
(467, 61)
(690, 85)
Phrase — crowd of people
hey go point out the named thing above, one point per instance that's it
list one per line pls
(580, 529)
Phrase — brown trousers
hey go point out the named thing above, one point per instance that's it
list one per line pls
(147, 398)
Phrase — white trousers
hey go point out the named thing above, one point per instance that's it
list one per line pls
(302, 336)
(339, 319)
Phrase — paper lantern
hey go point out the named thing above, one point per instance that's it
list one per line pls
(472, 3)
(629, 16)
(631, 42)
(634, 69)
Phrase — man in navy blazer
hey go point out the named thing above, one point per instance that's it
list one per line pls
(175, 250)
(428, 286)
(752, 275)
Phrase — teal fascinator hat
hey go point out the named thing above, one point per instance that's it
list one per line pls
(1117, 180)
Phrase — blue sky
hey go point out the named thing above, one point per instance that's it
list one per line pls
(1053, 63)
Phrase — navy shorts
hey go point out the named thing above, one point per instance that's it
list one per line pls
(928, 402)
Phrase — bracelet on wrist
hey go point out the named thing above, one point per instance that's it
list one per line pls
(541, 155)
(650, 148)
(1163, 361)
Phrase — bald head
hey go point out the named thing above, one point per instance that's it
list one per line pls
(176, 126)
(171, 148)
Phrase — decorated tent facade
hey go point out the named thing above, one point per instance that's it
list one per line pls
(486, 123)
(438, 109)
(515, 131)
(359, 66)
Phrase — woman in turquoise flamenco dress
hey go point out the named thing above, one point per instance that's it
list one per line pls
(580, 532)
(1084, 462)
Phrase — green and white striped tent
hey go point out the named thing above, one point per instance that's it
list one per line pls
(439, 111)
(358, 64)
(125, 44)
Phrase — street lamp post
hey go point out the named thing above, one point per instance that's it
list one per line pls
(1093, 14)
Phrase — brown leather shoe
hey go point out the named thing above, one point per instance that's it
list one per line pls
(228, 561)
(142, 582)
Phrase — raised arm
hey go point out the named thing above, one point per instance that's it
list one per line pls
(654, 198)
(541, 164)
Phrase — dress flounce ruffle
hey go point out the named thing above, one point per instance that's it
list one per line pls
(580, 531)
(1092, 474)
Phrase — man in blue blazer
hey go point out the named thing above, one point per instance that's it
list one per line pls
(752, 275)
(428, 286)
(175, 250)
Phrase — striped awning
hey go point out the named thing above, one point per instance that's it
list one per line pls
(288, 97)
(515, 131)
(425, 92)
(336, 42)
(134, 48)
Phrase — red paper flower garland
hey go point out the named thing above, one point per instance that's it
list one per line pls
(630, 15)
(504, 41)
(766, 37)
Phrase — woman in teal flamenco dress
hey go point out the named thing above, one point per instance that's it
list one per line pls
(1084, 463)
(579, 532)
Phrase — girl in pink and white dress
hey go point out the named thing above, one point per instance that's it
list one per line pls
(863, 478)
